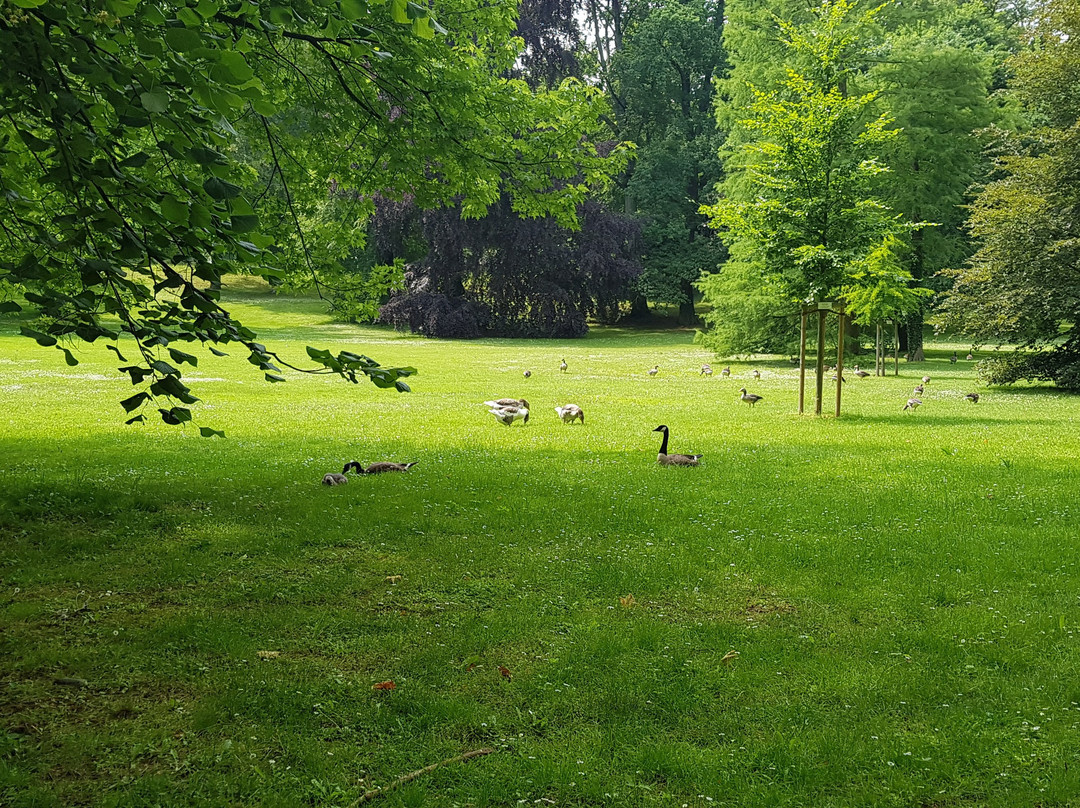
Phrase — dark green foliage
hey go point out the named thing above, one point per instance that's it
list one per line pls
(146, 151)
(1023, 283)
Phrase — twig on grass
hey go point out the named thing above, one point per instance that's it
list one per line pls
(405, 778)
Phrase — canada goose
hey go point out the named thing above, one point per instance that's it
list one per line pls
(334, 479)
(665, 459)
(918, 390)
(841, 379)
(756, 374)
(725, 372)
(655, 369)
(527, 374)
(507, 415)
(750, 398)
(378, 468)
(926, 380)
(862, 374)
(562, 366)
(570, 412)
(970, 357)
(706, 370)
(952, 359)
(912, 403)
(972, 397)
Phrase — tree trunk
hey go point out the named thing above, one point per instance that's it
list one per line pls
(914, 328)
(686, 308)
(639, 308)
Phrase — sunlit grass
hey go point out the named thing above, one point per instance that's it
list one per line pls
(901, 588)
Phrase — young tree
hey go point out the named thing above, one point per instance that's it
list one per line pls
(125, 197)
(1023, 283)
(806, 212)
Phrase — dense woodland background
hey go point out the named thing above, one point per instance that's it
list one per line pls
(520, 170)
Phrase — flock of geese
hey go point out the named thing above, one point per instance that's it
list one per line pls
(508, 410)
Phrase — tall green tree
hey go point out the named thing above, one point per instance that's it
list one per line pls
(663, 75)
(810, 214)
(1023, 283)
(126, 194)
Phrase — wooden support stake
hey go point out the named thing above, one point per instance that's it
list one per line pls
(839, 356)
(802, 362)
(896, 347)
(820, 361)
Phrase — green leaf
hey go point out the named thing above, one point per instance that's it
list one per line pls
(28, 3)
(264, 107)
(135, 420)
(9, 307)
(402, 387)
(155, 101)
(207, 432)
(215, 351)
(44, 340)
(164, 368)
(134, 402)
(174, 210)
(69, 358)
(237, 65)
(273, 377)
(243, 224)
(116, 351)
(221, 189)
(354, 9)
(183, 39)
(180, 357)
(399, 11)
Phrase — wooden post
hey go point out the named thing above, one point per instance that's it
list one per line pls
(896, 347)
(820, 359)
(839, 356)
(802, 361)
(879, 357)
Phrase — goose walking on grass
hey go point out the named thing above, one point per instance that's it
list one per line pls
(862, 374)
(756, 374)
(570, 412)
(380, 467)
(912, 403)
(926, 380)
(507, 402)
(706, 370)
(507, 415)
(972, 397)
(952, 359)
(665, 459)
(918, 391)
(655, 369)
(562, 366)
(750, 398)
(725, 372)
(334, 479)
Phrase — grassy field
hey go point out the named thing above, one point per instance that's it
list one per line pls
(902, 589)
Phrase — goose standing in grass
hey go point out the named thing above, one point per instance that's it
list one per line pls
(912, 403)
(952, 359)
(756, 374)
(926, 380)
(334, 479)
(862, 374)
(706, 370)
(750, 398)
(972, 397)
(665, 459)
(570, 412)
(918, 391)
(380, 467)
(970, 357)
(507, 415)
(655, 369)
(562, 366)
(725, 372)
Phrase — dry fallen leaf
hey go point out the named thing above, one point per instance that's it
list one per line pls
(393, 578)
(627, 602)
(728, 657)
(384, 686)
(269, 654)
(505, 671)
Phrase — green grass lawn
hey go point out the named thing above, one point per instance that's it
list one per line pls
(902, 589)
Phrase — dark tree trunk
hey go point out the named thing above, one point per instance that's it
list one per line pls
(686, 308)
(914, 328)
(639, 308)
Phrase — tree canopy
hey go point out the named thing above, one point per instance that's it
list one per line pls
(148, 149)
(1023, 283)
